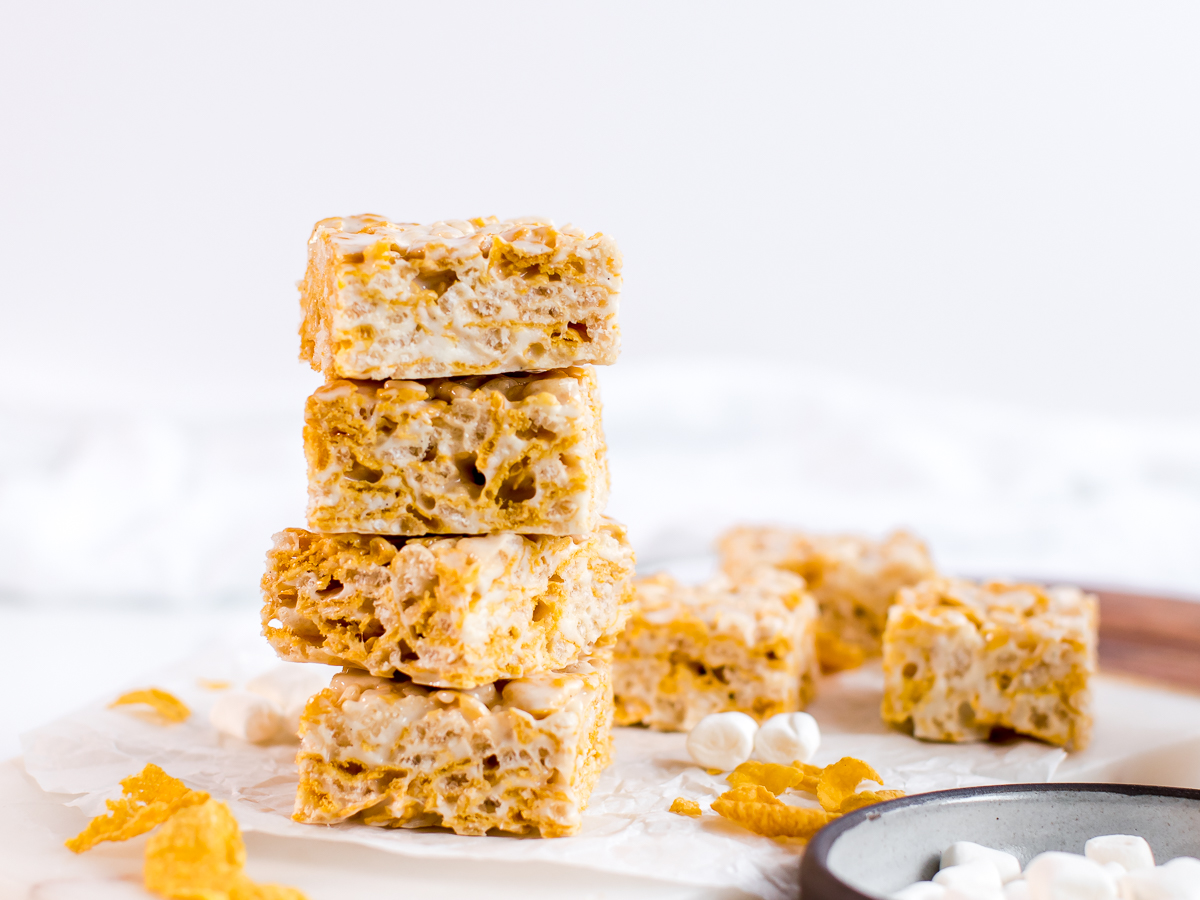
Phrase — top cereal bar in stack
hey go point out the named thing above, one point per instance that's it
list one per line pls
(386, 300)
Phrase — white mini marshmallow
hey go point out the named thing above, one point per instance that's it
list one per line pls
(1068, 876)
(976, 878)
(288, 686)
(1129, 850)
(1177, 880)
(722, 740)
(246, 716)
(1116, 870)
(1017, 890)
(922, 890)
(787, 737)
(1008, 867)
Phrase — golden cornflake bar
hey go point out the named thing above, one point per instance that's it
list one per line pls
(854, 580)
(519, 756)
(960, 659)
(743, 645)
(398, 300)
(468, 455)
(447, 611)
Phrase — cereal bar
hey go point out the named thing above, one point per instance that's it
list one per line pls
(519, 756)
(743, 645)
(960, 659)
(854, 580)
(447, 611)
(387, 299)
(467, 455)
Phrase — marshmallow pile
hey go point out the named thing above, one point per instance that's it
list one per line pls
(1112, 867)
(270, 706)
(725, 740)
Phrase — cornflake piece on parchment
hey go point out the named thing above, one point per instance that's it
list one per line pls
(684, 807)
(754, 803)
(840, 781)
(755, 808)
(166, 705)
(151, 797)
(776, 778)
(199, 854)
(867, 798)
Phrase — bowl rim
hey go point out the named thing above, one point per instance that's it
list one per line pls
(817, 881)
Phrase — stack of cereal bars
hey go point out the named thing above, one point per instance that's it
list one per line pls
(458, 564)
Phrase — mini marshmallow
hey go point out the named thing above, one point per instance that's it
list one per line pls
(1017, 890)
(1008, 867)
(1167, 882)
(922, 890)
(246, 716)
(722, 740)
(1068, 876)
(787, 737)
(976, 878)
(1129, 850)
(288, 686)
(1116, 870)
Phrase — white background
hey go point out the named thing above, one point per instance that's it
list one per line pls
(932, 264)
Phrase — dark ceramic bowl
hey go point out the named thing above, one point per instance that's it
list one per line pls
(872, 852)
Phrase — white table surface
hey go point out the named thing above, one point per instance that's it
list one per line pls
(58, 660)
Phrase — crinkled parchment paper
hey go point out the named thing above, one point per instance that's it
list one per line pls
(627, 828)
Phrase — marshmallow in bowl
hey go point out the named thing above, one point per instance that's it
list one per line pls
(1131, 851)
(975, 879)
(1055, 875)
(722, 740)
(922, 890)
(1007, 866)
(786, 738)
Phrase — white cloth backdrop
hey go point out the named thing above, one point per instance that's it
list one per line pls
(176, 507)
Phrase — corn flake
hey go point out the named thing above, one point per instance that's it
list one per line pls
(150, 798)
(867, 798)
(770, 818)
(199, 855)
(214, 684)
(166, 705)
(840, 780)
(776, 778)
(684, 807)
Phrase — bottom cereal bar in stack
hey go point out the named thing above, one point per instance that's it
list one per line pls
(517, 756)
(960, 659)
(744, 644)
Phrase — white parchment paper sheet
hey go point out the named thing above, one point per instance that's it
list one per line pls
(627, 828)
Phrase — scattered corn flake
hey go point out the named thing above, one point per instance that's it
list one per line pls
(840, 780)
(750, 793)
(166, 705)
(776, 778)
(199, 855)
(770, 818)
(150, 798)
(214, 684)
(683, 807)
(867, 798)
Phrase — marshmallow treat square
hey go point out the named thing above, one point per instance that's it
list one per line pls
(746, 644)
(962, 658)
(519, 756)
